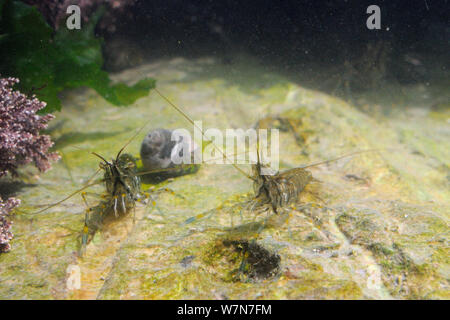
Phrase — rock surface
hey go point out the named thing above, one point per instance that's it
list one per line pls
(372, 226)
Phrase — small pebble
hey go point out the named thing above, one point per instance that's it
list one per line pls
(187, 261)
(158, 150)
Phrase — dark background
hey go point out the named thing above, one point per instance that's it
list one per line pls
(297, 36)
(260, 25)
(265, 26)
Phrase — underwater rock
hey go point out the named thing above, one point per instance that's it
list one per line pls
(383, 238)
(406, 271)
(55, 11)
(161, 149)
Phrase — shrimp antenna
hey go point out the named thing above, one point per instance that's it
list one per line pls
(97, 155)
(203, 134)
(338, 158)
(129, 141)
(70, 196)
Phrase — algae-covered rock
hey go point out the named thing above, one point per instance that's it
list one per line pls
(407, 258)
(370, 226)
